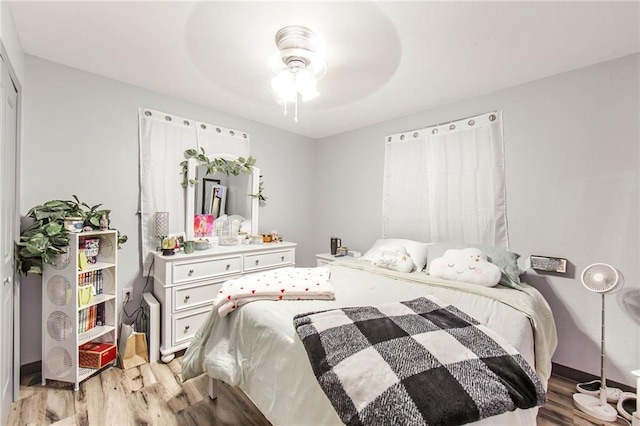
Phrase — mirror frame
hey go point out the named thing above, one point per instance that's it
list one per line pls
(190, 194)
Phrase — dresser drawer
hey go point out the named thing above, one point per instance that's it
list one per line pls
(186, 326)
(195, 295)
(272, 259)
(202, 269)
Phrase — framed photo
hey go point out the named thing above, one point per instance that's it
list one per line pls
(178, 237)
(207, 193)
(203, 225)
(218, 200)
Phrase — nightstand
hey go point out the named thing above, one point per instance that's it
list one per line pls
(325, 258)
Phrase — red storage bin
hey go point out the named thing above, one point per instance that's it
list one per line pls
(96, 355)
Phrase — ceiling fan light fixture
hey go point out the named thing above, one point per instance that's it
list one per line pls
(306, 85)
(284, 86)
(300, 66)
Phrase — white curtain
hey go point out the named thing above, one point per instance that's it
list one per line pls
(163, 138)
(218, 140)
(446, 183)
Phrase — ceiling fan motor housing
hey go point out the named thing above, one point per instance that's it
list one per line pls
(297, 45)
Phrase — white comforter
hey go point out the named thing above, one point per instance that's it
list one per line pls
(256, 347)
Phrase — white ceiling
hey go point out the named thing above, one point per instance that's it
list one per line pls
(385, 59)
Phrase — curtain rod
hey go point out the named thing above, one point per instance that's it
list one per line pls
(451, 121)
(491, 114)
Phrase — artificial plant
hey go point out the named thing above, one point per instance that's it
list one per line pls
(46, 237)
(221, 165)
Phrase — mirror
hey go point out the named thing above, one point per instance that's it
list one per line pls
(221, 194)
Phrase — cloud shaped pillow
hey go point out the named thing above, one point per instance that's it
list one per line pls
(468, 265)
(417, 251)
(394, 258)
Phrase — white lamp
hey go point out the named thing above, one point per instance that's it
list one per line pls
(161, 225)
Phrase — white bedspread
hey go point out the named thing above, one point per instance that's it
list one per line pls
(256, 347)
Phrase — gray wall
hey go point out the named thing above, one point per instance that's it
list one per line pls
(81, 138)
(572, 158)
(569, 138)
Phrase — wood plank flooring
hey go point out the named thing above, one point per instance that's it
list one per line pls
(154, 394)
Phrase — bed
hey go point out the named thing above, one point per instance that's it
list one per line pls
(256, 347)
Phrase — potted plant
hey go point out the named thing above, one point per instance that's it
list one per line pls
(45, 237)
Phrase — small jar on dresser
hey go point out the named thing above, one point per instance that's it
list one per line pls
(187, 284)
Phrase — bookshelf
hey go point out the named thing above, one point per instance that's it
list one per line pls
(79, 304)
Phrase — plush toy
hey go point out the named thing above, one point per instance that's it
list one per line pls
(469, 265)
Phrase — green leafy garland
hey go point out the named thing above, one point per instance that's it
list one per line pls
(221, 165)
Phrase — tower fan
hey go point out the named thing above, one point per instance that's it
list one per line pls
(604, 279)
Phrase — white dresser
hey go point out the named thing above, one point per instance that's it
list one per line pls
(187, 284)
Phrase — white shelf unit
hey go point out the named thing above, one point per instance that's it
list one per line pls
(62, 314)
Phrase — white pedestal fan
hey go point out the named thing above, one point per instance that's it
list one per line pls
(604, 279)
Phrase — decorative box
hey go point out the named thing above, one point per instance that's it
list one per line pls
(96, 355)
(91, 248)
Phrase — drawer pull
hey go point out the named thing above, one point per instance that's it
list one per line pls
(282, 258)
(186, 328)
(186, 298)
(191, 272)
(257, 261)
(228, 266)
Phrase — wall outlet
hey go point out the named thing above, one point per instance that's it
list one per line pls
(127, 294)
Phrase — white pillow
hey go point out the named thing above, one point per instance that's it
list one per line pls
(393, 258)
(417, 251)
(469, 265)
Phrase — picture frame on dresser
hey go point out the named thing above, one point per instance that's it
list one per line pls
(179, 237)
(207, 193)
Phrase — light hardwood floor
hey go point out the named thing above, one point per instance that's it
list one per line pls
(153, 394)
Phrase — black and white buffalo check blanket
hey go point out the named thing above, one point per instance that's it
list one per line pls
(419, 362)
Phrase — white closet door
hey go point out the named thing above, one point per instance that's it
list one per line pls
(8, 233)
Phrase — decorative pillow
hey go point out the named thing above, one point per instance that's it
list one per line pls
(393, 258)
(504, 259)
(417, 251)
(469, 265)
